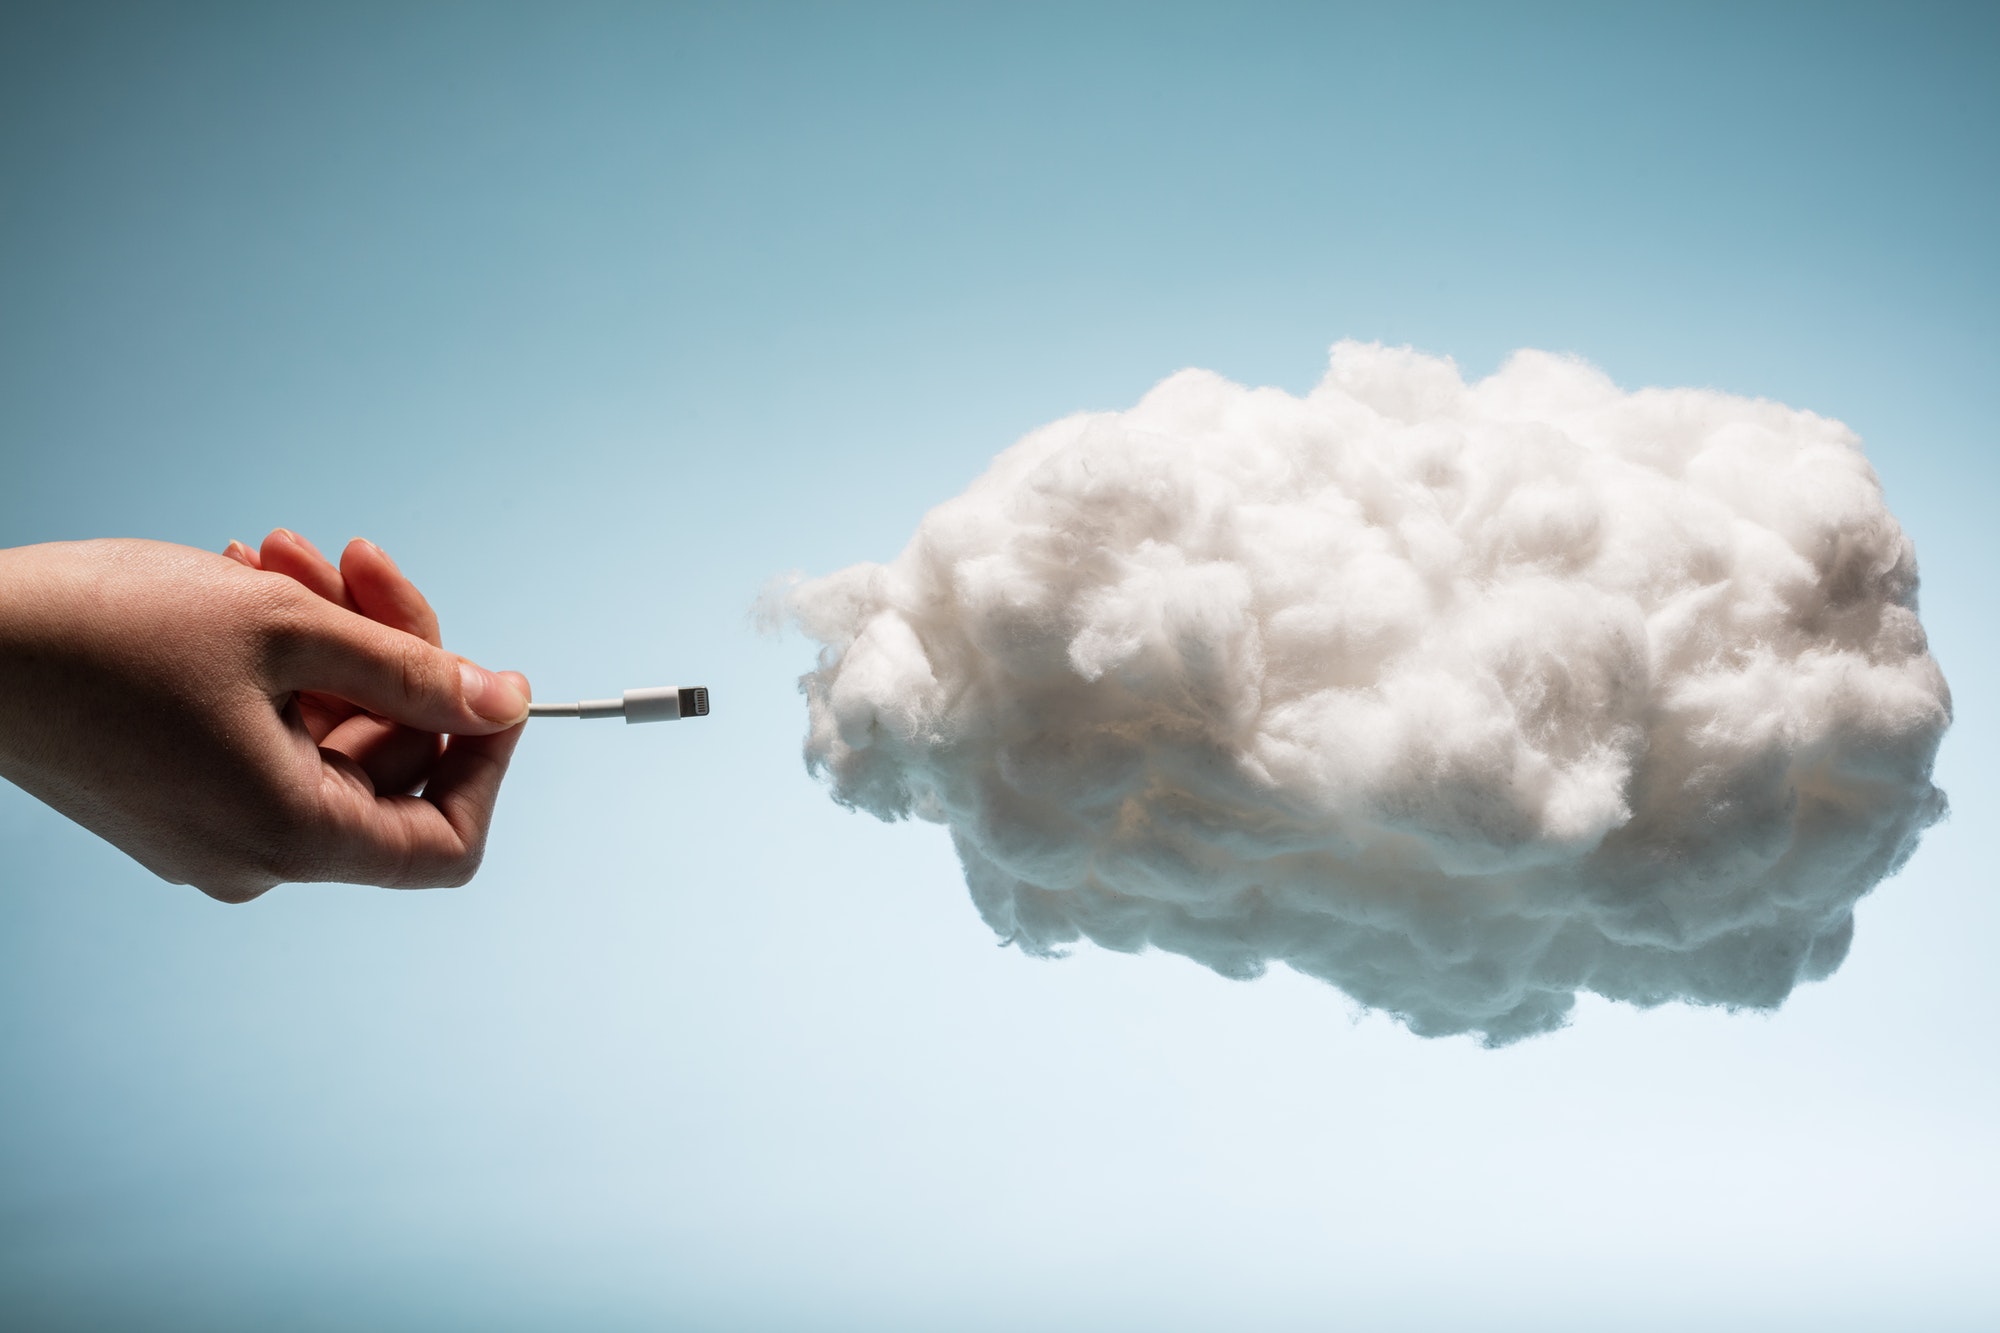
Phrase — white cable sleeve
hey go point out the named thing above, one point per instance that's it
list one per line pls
(662, 703)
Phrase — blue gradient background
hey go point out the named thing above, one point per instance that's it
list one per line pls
(597, 318)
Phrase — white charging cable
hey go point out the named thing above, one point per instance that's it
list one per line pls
(662, 703)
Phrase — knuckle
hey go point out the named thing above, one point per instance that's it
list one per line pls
(404, 868)
(287, 617)
(415, 673)
(452, 870)
(417, 855)
(279, 600)
(469, 863)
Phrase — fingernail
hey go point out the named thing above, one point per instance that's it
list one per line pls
(494, 698)
(301, 541)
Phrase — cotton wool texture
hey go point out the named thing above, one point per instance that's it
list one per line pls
(1462, 698)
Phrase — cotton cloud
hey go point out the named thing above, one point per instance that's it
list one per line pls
(1462, 698)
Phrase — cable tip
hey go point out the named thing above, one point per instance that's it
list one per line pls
(664, 703)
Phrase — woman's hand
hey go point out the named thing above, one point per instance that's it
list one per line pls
(231, 727)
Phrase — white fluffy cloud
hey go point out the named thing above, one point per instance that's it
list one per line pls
(1463, 698)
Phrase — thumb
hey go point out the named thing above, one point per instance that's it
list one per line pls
(394, 674)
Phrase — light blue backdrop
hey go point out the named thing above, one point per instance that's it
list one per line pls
(598, 317)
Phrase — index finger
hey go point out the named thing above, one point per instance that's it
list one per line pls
(286, 552)
(383, 593)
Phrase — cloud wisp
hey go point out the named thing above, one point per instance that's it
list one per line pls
(1462, 698)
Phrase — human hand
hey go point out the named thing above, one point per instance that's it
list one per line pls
(396, 758)
(168, 700)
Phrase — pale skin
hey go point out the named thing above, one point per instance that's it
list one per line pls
(244, 720)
